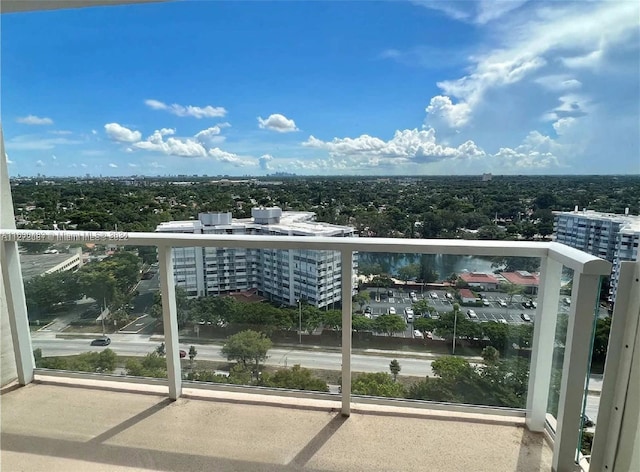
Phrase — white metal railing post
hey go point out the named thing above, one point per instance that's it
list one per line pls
(17, 310)
(170, 322)
(543, 343)
(12, 279)
(612, 450)
(584, 298)
(347, 294)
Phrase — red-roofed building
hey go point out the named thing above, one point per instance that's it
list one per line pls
(523, 278)
(467, 295)
(480, 280)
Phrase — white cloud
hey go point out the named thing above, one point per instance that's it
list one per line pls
(172, 146)
(209, 136)
(230, 158)
(558, 82)
(406, 145)
(34, 120)
(477, 11)
(264, 161)
(563, 125)
(113, 166)
(53, 156)
(31, 142)
(132, 165)
(441, 110)
(155, 165)
(277, 122)
(93, 152)
(121, 134)
(39, 163)
(93, 131)
(573, 34)
(84, 165)
(61, 132)
(167, 131)
(207, 111)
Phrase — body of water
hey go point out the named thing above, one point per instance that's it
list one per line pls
(443, 264)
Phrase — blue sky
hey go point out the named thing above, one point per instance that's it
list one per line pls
(323, 88)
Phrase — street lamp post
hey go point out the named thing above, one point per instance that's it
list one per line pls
(299, 320)
(455, 323)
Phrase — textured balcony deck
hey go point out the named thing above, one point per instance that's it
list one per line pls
(57, 425)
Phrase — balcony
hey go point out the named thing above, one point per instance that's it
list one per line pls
(102, 421)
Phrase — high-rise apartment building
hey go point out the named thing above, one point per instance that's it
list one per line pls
(280, 275)
(606, 235)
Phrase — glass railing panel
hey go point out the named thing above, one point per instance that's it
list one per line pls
(277, 326)
(98, 315)
(444, 328)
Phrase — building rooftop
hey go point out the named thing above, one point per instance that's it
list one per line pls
(300, 223)
(521, 277)
(628, 221)
(60, 424)
(479, 277)
(33, 265)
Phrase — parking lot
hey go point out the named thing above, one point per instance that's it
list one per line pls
(493, 311)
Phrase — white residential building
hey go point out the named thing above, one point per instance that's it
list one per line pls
(280, 275)
(609, 236)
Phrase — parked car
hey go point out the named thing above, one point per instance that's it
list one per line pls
(101, 341)
(390, 293)
(434, 295)
(525, 317)
(408, 314)
(502, 303)
(392, 310)
(367, 310)
(183, 353)
(485, 302)
(534, 304)
(472, 314)
(449, 296)
(502, 321)
(418, 334)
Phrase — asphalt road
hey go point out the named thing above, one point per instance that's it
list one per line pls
(135, 345)
(131, 345)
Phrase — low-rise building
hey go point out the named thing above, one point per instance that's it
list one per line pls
(480, 280)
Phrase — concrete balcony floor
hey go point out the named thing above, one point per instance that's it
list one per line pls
(64, 424)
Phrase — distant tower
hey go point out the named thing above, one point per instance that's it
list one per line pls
(487, 177)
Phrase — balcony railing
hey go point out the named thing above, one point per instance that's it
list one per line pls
(587, 269)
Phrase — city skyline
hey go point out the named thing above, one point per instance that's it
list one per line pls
(323, 88)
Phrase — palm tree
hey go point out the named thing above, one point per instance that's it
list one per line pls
(394, 367)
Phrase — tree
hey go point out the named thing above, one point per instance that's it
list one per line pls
(512, 290)
(490, 355)
(361, 298)
(378, 384)
(409, 272)
(333, 319)
(160, 350)
(295, 378)
(425, 324)
(361, 323)
(394, 367)
(152, 365)
(389, 324)
(247, 347)
(192, 355)
(423, 307)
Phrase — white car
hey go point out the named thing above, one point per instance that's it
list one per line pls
(449, 296)
(502, 303)
(472, 314)
(392, 311)
(502, 321)
(418, 334)
(485, 302)
(434, 295)
(408, 314)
